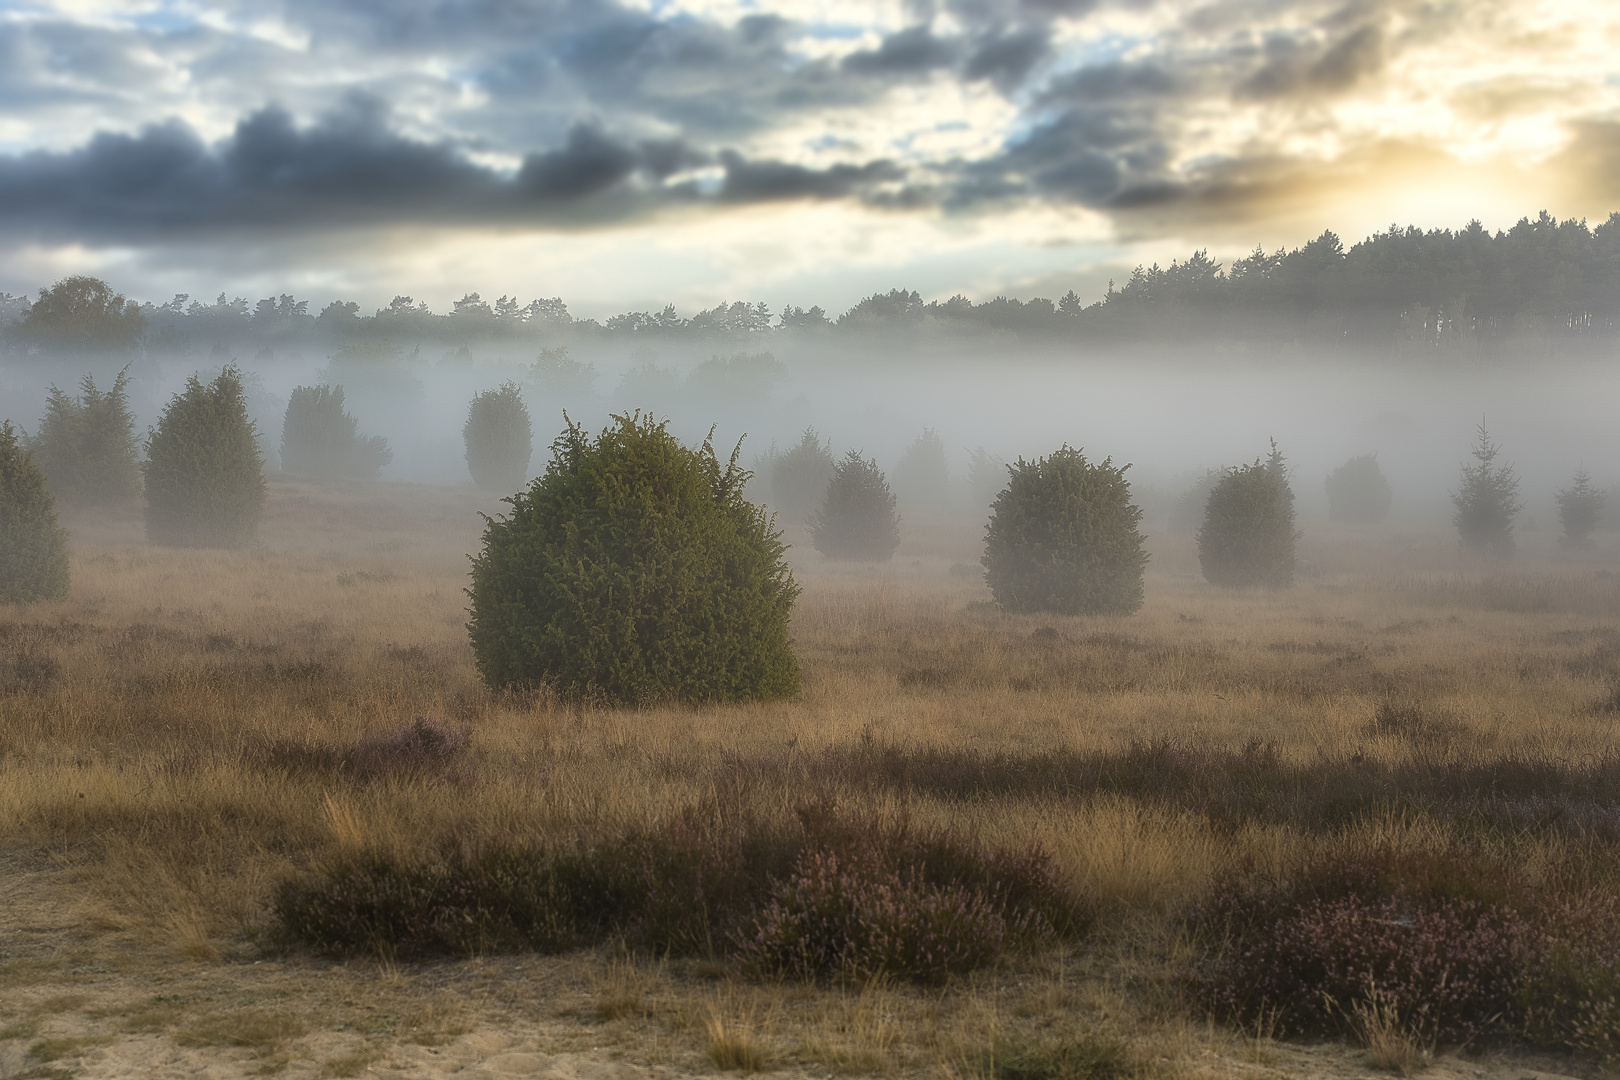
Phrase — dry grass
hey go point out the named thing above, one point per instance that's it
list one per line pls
(153, 726)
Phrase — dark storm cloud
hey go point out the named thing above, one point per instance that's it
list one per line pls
(907, 52)
(351, 170)
(1292, 66)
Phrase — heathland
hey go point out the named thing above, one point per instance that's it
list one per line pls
(189, 731)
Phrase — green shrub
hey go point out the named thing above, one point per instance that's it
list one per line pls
(1580, 511)
(204, 477)
(1248, 533)
(33, 549)
(857, 521)
(318, 438)
(87, 446)
(1358, 491)
(922, 476)
(1063, 537)
(634, 568)
(1486, 502)
(499, 439)
(799, 477)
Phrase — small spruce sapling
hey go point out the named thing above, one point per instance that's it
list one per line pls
(1486, 502)
(1063, 537)
(33, 548)
(857, 521)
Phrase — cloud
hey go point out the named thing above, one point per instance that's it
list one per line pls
(351, 170)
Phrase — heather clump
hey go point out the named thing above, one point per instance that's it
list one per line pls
(829, 894)
(422, 747)
(1423, 942)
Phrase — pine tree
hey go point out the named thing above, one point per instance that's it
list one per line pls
(1486, 502)
(499, 439)
(1247, 537)
(204, 476)
(87, 445)
(1063, 537)
(1580, 511)
(33, 548)
(634, 568)
(857, 520)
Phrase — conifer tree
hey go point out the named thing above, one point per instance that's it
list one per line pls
(1580, 511)
(1247, 537)
(1063, 537)
(499, 439)
(1358, 491)
(634, 568)
(33, 548)
(922, 476)
(319, 438)
(1486, 502)
(799, 477)
(87, 445)
(857, 520)
(204, 476)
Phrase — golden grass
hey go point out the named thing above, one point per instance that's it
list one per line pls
(134, 717)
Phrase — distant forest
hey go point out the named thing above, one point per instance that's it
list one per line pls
(1543, 284)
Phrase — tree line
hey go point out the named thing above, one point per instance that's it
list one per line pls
(1549, 282)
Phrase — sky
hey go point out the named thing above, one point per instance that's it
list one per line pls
(624, 155)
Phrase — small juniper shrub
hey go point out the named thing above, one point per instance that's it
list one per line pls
(33, 548)
(834, 894)
(856, 521)
(87, 445)
(1247, 538)
(1064, 536)
(204, 476)
(319, 438)
(1358, 491)
(499, 438)
(1580, 511)
(798, 477)
(634, 569)
(1417, 936)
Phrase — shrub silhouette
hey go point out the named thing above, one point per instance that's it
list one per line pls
(987, 475)
(1486, 502)
(634, 568)
(87, 446)
(922, 477)
(1580, 511)
(1063, 537)
(499, 439)
(33, 549)
(1358, 491)
(1248, 533)
(318, 438)
(857, 521)
(204, 477)
(799, 477)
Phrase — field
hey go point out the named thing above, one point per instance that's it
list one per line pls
(181, 736)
